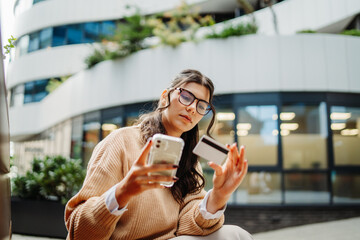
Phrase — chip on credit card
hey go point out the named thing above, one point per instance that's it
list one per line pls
(211, 150)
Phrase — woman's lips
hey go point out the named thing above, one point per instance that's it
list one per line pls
(186, 117)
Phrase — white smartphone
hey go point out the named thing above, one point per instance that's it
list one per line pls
(211, 150)
(165, 149)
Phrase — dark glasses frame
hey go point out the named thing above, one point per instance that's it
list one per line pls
(208, 108)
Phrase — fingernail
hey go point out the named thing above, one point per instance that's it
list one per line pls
(176, 178)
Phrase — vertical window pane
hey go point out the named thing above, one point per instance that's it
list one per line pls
(346, 188)
(34, 42)
(306, 188)
(17, 95)
(91, 129)
(45, 37)
(110, 125)
(107, 28)
(304, 131)
(22, 46)
(91, 32)
(345, 125)
(259, 187)
(76, 137)
(223, 130)
(59, 36)
(74, 34)
(29, 90)
(257, 130)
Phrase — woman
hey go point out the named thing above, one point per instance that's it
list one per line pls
(119, 200)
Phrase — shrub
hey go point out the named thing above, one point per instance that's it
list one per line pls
(231, 29)
(352, 32)
(54, 178)
(306, 31)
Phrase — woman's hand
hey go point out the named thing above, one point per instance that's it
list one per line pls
(137, 180)
(227, 178)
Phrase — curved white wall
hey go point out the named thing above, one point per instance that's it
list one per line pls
(308, 62)
(329, 16)
(61, 12)
(47, 63)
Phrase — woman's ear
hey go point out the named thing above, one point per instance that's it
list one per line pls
(164, 98)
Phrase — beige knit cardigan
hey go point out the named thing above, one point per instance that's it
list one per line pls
(154, 214)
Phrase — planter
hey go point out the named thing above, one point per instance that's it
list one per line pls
(38, 217)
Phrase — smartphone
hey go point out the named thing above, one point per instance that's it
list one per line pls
(165, 149)
(211, 150)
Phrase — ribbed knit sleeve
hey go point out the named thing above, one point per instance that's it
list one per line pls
(86, 214)
(191, 222)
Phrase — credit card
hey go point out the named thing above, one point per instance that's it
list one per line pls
(211, 150)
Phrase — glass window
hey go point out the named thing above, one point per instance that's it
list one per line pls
(17, 95)
(304, 131)
(345, 126)
(107, 28)
(34, 42)
(59, 36)
(91, 32)
(259, 187)
(91, 130)
(40, 90)
(257, 130)
(76, 137)
(110, 125)
(346, 188)
(45, 37)
(306, 188)
(22, 46)
(223, 129)
(74, 34)
(29, 91)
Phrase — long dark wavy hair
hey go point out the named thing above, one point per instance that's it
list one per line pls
(190, 179)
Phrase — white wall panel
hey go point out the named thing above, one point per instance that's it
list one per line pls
(267, 70)
(314, 63)
(291, 62)
(353, 63)
(337, 74)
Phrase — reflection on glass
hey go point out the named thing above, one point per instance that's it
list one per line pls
(304, 136)
(346, 188)
(345, 126)
(259, 187)
(91, 132)
(306, 188)
(76, 138)
(257, 131)
(110, 125)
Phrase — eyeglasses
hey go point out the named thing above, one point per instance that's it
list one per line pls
(187, 98)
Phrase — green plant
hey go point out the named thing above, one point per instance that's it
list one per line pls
(231, 29)
(352, 32)
(306, 31)
(9, 46)
(128, 38)
(54, 177)
(54, 83)
(178, 25)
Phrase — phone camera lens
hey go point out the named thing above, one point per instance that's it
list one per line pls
(157, 145)
(158, 141)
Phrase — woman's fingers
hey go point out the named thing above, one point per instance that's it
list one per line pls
(217, 168)
(144, 153)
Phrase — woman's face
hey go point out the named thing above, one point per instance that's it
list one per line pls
(178, 118)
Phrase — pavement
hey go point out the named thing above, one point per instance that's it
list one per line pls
(347, 229)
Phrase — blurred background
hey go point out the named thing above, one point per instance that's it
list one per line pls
(287, 85)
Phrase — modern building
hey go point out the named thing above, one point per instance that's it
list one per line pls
(292, 99)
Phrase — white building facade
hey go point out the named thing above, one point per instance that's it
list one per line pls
(292, 99)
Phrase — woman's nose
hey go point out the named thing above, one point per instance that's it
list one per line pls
(192, 107)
